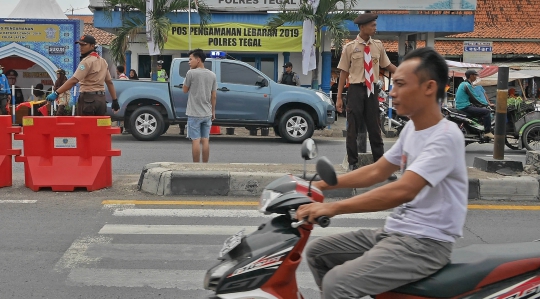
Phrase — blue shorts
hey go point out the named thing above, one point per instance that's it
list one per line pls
(198, 127)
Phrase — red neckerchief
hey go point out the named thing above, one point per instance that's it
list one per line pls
(95, 54)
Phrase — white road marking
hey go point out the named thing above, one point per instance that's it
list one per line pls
(212, 230)
(76, 256)
(18, 201)
(154, 252)
(223, 213)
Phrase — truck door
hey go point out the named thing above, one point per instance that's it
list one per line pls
(240, 95)
(179, 98)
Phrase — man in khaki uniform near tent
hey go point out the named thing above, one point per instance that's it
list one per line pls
(92, 74)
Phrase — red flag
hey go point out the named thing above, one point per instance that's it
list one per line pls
(24, 104)
(43, 110)
(8, 110)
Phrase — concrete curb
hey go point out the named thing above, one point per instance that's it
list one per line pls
(165, 181)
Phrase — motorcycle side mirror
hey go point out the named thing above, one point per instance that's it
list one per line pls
(326, 171)
(309, 149)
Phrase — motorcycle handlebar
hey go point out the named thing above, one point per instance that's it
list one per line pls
(322, 221)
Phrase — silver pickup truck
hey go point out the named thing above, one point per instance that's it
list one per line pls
(245, 98)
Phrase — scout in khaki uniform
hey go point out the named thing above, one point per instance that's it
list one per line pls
(361, 56)
(92, 74)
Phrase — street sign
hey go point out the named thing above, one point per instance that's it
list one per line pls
(477, 52)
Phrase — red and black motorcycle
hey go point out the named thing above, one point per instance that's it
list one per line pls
(262, 265)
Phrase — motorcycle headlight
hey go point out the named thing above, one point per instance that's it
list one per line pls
(267, 197)
(324, 98)
(213, 276)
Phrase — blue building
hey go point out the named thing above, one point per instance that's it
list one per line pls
(239, 30)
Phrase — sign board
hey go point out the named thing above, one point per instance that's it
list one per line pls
(239, 37)
(361, 5)
(29, 32)
(65, 142)
(57, 50)
(477, 52)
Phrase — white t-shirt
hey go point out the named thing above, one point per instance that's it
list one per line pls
(438, 155)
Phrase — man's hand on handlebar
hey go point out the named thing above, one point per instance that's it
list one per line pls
(313, 211)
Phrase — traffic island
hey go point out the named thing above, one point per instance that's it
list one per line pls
(489, 164)
(249, 180)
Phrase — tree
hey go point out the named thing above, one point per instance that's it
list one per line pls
(134, 23)
(331, 14)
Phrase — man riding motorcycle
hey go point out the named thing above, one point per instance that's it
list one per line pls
(429, 200)
(470, 103)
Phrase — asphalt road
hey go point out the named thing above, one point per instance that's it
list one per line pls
(71, 245)
(228, 149)
(75, 246)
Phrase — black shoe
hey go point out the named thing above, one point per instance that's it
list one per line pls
(353, 167)
(392, 177)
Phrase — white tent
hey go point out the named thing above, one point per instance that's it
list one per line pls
(38, 9)
(513, 75)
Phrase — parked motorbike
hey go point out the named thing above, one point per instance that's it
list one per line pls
(397, 122)
(262, 265)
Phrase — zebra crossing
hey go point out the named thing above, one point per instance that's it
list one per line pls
(171, 247)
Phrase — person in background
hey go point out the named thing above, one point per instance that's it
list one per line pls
(120, 73)
(121, 76)
(92, 74)
(63, 98)
(481, 92)
(201, 85)
(39, 93)
(468, 101)
(12, 78)
(289, 77)
(5, 92)
(133, 75)
(362, 96)
(161, 73)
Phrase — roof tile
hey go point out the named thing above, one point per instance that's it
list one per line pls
(102, 37)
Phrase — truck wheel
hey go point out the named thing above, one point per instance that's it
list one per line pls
(146, 123)
(165, 128)
(276, 131)
(296, 126)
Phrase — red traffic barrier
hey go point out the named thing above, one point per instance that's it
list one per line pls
(6, 164)
(67, 152)
(215, 130)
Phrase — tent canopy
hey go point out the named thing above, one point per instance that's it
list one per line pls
(38, 9)
(513, 75)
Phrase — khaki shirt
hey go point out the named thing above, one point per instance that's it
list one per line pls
(352, 59)
(92, 73)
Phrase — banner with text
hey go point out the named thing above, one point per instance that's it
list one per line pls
(29, 33)
(238, 37)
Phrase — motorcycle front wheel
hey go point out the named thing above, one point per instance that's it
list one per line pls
(393, 131)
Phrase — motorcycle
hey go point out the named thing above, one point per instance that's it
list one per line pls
(262, 265)
(390, 126)
(472, 127)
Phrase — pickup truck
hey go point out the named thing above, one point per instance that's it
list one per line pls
(246, 97)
